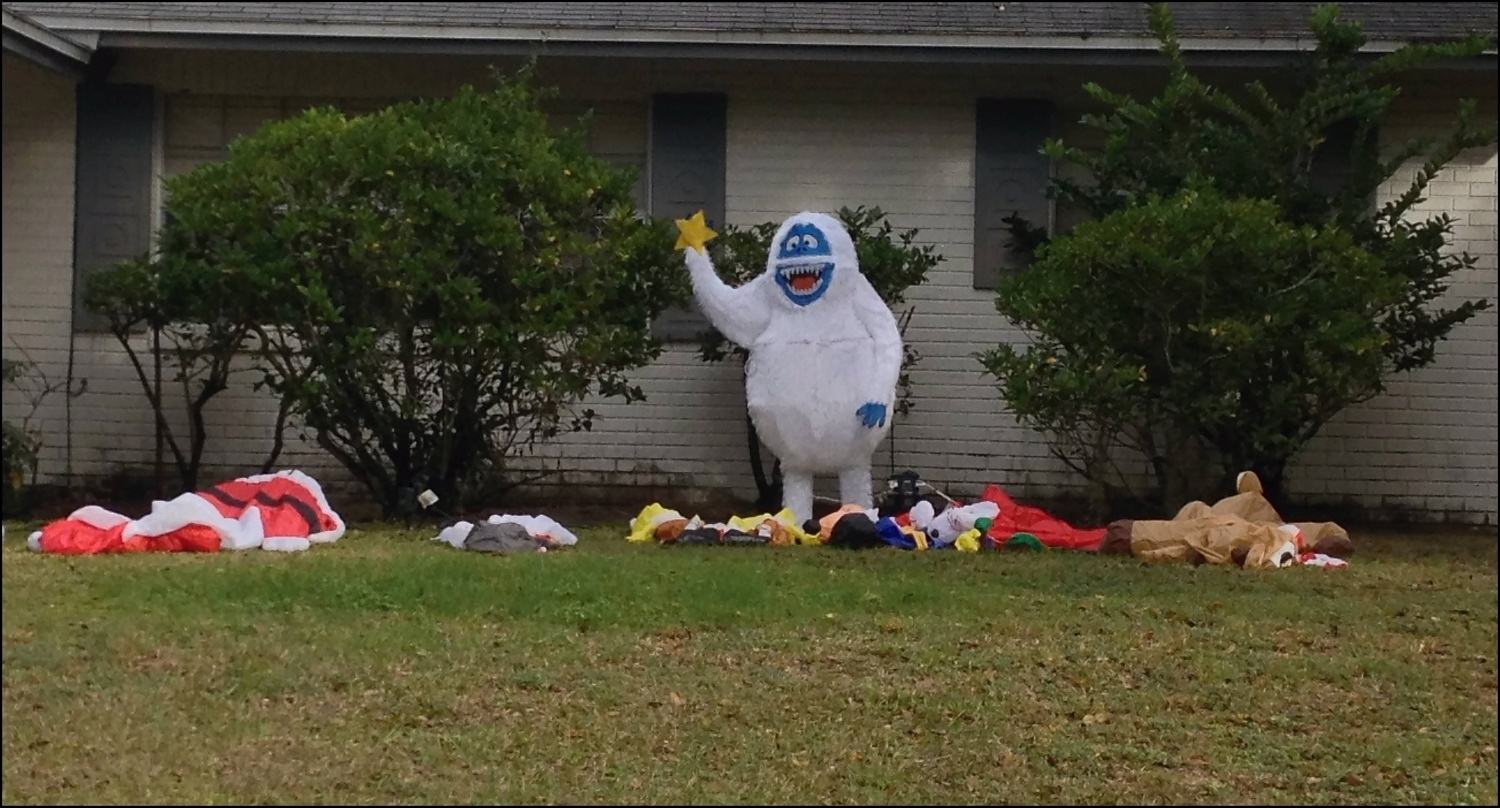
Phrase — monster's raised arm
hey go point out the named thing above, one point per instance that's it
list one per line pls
(739, 314)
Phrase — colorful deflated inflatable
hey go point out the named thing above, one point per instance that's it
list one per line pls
(285, 511)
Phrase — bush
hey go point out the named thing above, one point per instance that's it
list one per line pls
(1306, 307)
(22, 442)
(20, 445)
(891, 261)
(1198, 310)
(204, 320)
(436, 287)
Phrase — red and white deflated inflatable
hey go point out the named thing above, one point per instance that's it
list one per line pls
(283, 511)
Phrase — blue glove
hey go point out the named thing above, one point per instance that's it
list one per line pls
(871, 414)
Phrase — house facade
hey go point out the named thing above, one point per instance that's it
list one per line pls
(751, 112)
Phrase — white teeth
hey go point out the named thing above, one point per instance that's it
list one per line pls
(792, 273)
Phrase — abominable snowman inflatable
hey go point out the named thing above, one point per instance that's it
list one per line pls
(825, 355)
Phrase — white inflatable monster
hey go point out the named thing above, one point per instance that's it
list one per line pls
(825, 355)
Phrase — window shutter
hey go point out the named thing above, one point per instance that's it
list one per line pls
(1333, 161)
(1010, 177)
(112, 203)
(688, 143)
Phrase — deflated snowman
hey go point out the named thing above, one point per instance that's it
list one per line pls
(825, 353)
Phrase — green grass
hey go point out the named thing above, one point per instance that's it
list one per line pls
(386, 668)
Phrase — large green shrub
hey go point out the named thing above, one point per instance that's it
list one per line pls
(1212, 344)
(436, 287)
(1192, 315)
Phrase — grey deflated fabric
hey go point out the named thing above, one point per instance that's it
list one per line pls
(505, 539)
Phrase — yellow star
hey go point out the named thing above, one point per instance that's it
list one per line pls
(693, 232)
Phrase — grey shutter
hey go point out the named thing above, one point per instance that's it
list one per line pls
(1010, 176)
(1332, 158)
(687, 175)
(1333, 161)
(112, 205)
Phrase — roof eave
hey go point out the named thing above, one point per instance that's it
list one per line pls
(44, 46)
(344, 37)
(704, 45)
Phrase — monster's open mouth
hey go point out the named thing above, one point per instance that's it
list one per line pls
(804, 283)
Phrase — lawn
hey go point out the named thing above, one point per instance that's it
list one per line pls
(386, 668)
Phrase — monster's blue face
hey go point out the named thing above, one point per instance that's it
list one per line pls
(804, 264)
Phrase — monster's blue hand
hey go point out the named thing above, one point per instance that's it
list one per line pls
(871, 414)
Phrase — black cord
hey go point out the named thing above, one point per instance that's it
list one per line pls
(68, 391)
(893, 443)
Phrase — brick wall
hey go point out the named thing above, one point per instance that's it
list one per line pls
(39, 115)
(1426, 449)
(809, 136)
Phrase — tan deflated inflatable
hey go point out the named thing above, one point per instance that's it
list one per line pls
(1243, 529)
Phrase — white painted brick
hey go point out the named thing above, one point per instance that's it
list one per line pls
(1473, 203)
(899, 137)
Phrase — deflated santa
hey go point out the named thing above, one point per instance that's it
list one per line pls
(283, 511)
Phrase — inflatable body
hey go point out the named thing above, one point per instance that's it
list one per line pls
(1243, 529)
(825, 355)
(284, 511)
